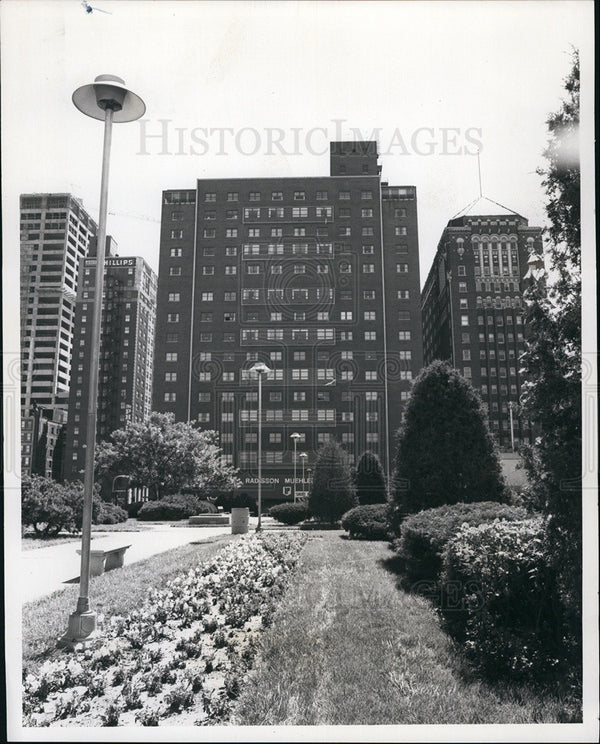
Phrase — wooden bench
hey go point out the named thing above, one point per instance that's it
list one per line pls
(106, 560)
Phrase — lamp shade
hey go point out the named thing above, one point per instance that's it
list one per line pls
(109, 91)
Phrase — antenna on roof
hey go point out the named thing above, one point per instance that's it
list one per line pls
(479, 171)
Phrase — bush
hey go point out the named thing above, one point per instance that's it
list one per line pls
(505, 606)
(134, 507)
(45, 506)
(424, 535)
(369, 521)
(178, 506)
(289, 513)
(370, 481)
(110, 514)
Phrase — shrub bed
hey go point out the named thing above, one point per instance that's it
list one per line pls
(179, 506)
(369, 521)
(424, 535)
(289, 513)
(181, 657)
(504, 605)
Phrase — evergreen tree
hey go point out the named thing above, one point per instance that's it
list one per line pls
(369, 480)
(552, 360)
(332, 492)
(445, 453)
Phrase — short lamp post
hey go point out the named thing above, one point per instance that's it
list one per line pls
(112, 489)
(260, 369)
(295, 436)
(303, 456)
(512, 432)
(108, 100)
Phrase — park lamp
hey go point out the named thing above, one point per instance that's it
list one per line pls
(304, 457)
(106, 99)
(295, 436)
(260, 369)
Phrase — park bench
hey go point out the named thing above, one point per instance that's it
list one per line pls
(102, 560)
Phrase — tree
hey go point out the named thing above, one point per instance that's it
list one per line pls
(369, 480)
(166, 456)
(445, 452)
(332, 492)
(551, 395)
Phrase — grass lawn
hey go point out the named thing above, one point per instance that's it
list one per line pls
(113, 593)
(347, 646)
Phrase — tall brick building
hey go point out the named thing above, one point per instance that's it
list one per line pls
(473, 309)
(126, 352)
(55, 236)
(317, 277)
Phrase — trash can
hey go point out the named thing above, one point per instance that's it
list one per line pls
(240, 518)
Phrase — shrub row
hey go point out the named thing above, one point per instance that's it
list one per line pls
(369, 521)
(424, 536)
(504, 605)
(289, 513)
(178, 506)
(486, 567)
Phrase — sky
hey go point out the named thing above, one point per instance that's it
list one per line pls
(260, 88)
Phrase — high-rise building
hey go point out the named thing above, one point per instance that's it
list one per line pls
(317, 277)
(473, 308)
(126, 352)
(55, 236)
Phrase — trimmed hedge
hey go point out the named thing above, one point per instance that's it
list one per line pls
(111, 514)
(369, 521)
(424, 535)
(505, 607)
(178, 506)
(289, 513)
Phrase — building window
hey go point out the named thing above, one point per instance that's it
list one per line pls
(231, 250)
(464, 320)
(207, 296)
(172, 317)
(370, 335)
(366, 231)
(174, 297)
(462, 271)
(230, 270)
(399, 230)
(170, 397)
(277, 196)
(176, 252)
(402, 268)
(404, 336)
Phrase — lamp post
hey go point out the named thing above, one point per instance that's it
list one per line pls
(112, 489)
(295, 436)
(512, 433)
(109, 100)
(303, 456)
(260, 369)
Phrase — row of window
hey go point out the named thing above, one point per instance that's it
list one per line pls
(295, 375)
(371, 396)
(255, 196)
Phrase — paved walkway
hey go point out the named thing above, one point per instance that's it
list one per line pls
(44, 570)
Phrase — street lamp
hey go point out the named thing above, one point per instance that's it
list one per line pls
(303, 456)
(109, 100)
(295, 436)
(512, 433)
(260, 369)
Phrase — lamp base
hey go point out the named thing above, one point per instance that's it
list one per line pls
(81, 631)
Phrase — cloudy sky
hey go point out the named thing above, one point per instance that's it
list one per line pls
(260, 88)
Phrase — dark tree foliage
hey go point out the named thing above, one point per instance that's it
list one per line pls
(332, 492)
(552, 360)
(445, 452)
(369, 480)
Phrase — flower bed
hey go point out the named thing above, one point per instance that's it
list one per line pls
(179, 660)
